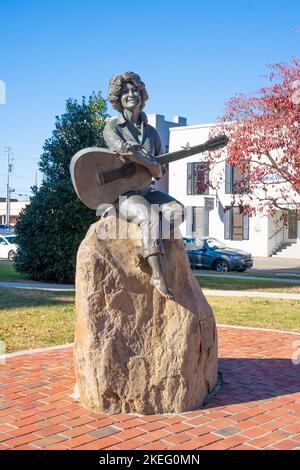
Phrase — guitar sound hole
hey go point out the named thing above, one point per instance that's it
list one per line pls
(125, 171)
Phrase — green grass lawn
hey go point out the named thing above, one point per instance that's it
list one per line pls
(256, 312)
(8, 273)
(35, 318)
(247, 284)
(40, 318)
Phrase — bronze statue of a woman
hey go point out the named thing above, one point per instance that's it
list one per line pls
(129, 133)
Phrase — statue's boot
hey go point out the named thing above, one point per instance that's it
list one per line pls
(158, 280)
(152, 251)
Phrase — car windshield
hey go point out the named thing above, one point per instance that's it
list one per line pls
(11, 239)
(215, 244)
(193, 243)
(198, 242)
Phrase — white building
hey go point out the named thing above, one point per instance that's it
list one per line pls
(163, 128)
(209, 210)
(15, 209)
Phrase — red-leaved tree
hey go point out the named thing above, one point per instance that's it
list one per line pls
(264, 143)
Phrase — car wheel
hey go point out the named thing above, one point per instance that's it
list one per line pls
(221, 266)
(11, 255)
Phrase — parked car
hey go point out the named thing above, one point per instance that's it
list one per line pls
(8, 246)
(6, 230)
(210, 253)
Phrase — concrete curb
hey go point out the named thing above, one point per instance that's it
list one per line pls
(35, 351)
(238, 327)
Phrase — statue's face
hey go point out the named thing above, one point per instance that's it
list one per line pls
(130, 96)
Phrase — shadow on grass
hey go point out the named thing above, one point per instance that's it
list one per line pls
(247, 380)
(12, 298)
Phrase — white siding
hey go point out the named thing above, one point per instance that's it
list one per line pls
(261, 228)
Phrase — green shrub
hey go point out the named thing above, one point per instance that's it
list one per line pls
(52, 226)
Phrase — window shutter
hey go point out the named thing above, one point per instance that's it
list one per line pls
(228, 223)
(189, 185)
(189, 221)
(228, 178)
(194, 225)
(206, 222)
(246, 227)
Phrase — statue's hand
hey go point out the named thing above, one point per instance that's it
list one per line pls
(140, 155)
(162, 172)
(134, 149)
(164, 169)
(139, 150)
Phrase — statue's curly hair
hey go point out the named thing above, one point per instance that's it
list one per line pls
(115, 88)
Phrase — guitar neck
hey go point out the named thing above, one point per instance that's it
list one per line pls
(179, 154)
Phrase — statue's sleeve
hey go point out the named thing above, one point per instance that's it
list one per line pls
(114, 139)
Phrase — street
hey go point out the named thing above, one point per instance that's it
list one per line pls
(275, 266)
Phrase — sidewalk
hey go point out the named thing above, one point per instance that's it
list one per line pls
(241, 293)
(255, 278)
(257, 407)
(38, 285)
(214, 292)
(50, 286)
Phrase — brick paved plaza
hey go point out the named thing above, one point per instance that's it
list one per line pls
(257, 407)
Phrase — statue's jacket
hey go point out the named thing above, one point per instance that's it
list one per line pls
(120, 134)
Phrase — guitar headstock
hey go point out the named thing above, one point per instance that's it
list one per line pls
(216, 142)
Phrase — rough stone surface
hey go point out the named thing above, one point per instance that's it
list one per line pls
(135, 351)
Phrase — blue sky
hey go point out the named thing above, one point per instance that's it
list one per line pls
(193, 55)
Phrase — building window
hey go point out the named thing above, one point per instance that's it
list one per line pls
(235, 181)
(197, 178)
(236, 224)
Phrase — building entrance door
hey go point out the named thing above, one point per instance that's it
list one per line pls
(292, 226)
(200, 222)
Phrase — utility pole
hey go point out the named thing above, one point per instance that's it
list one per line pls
(8, 188)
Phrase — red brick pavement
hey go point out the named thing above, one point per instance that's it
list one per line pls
(257, 407)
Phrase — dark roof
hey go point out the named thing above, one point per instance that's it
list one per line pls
(3, 199)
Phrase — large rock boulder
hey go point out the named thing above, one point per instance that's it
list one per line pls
(135, 351)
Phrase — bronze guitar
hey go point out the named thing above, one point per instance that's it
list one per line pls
(99, 176)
